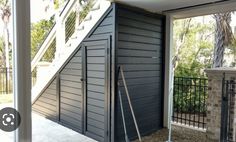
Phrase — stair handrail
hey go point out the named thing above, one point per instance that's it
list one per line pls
(45, 45)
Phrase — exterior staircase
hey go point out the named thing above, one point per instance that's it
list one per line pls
(64, 48)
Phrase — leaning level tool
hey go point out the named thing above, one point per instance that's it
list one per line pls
(120, 70)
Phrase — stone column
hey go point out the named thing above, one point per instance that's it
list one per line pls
(214, 101)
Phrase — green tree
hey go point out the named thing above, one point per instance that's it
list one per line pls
(193, 41)
(39, 32)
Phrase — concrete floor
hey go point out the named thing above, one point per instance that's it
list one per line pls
(44, 130)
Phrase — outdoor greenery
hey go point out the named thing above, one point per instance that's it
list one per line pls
(194, 45)
(40, 30)
(193, 41)
(200, 43)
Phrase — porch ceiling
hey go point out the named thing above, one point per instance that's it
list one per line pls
(164, 5)
(176, 6)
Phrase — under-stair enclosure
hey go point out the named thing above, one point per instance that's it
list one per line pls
(79, 87)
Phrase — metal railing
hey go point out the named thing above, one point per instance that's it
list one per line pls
(61, 32)
(189, 101)
(5, 80)
(227, 110)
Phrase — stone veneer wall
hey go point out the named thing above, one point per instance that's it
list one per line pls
(214, 100)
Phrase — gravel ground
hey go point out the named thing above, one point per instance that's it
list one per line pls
(179, 134)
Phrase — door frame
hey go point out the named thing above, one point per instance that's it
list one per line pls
(107, 85)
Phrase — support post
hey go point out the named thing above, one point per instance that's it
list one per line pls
(169, 74)
(21, 68)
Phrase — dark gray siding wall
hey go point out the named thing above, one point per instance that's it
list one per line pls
(105, 28)
(71, 93)
(140, 53)
(46, 104)
(96, 91)
(96, 78)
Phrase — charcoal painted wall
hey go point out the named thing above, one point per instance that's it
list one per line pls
(139, 51)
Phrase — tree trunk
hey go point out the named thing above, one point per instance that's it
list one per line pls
(223, 37)
(6, 44)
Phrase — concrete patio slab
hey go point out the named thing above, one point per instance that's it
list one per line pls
(44, 130)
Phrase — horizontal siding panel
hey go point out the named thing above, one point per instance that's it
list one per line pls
(47, 100)
(138, 53)
(140, 17)
(97, 110)
(49, 96)
(100, 36)
(71, 90)
(96, 46)
(96, 81)
(95, 53)
(135, 38)
(138, 31)
(138, 24)
(103, 29)
(96, 123)
(79, 53)
(70, 78)
(138, 46)
(95, 116)
(77, 66)
(76, 60)
(71, 96)
(141, 67)
(141, 74)
(71, 84)
(95, 130)
(141, 81)
(77, 72)
(46, 110)
(107, 21)
(96, 60)
(95, 88)
(72, 108)
(96, 67)
(46, 105)
(73, 116)
(96, 74)
(52, 86)
(95, 95)
(71, 102)
(50, 91)
(133, 60)
(95, 102)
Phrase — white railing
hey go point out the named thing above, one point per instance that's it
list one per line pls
(65, 45)
(61, 16)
